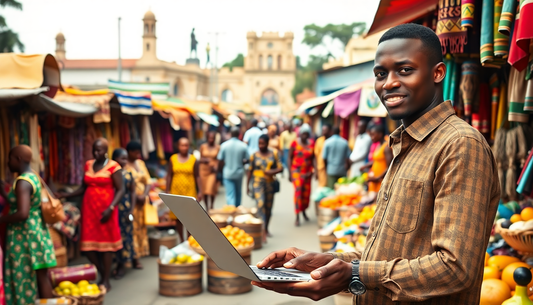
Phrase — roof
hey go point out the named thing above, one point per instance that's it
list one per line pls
(96, 63)
(149, 15)
(394, 12)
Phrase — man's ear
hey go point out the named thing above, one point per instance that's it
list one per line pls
(439, 72)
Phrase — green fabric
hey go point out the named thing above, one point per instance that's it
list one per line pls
(487, 37)
(453, 84)
(448, 61)
(501, 41)
(507, 17)
(28, 247)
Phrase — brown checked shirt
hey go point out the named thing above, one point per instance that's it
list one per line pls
(434, 215)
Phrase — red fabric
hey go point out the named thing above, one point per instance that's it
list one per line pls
(522, 35)
(393, 12)
(302, 163)
(96, 236)
(484, 107)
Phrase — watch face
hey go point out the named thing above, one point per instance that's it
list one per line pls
(357, 287)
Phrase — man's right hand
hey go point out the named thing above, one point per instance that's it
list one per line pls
(296, 259)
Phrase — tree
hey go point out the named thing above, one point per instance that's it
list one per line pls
(237, 62)
(9, 40)
(316, 35)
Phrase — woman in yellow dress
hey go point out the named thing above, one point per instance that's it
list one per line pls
(183, 177)
(381, 159)
(208, 169)
(138, 170)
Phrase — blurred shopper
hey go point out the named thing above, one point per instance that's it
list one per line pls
(301, 164)
(232, 156)
(273, 141)
(251, 137)
(381, 159)
(264, 165)
(29, 249)
(208, 169)
(360, 150)
(126, 255)
(102, 189)
(321, 174)
(138, 170)
(183, 177)
(286, 138)
(336, 156)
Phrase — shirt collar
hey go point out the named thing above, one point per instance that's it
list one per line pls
(425, 124)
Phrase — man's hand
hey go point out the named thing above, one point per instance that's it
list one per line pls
(329, 275)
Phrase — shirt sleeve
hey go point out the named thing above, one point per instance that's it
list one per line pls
(347, 256)
(462, 209)
(246, 137)
(360, 150)
(325, 151)
(221, 152)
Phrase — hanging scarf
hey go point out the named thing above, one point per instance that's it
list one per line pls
(453, 37)
(516, 96)
(453, 84)
(467, 13)
(507, 17)
(501, 41)
(487, 36)
(469, 84)
(484, 107)
(523, 33)
(502, 106)
(495, 96)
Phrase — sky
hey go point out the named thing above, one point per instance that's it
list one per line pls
(91, 27)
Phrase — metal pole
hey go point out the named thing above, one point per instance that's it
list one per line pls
(216, 65)
(119, 59)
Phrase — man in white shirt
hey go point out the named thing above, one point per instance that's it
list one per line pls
(361, 149)
(251, 138)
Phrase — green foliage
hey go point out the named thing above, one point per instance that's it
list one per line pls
(315, 35)
(304, 79)
(9, 40)
(237, 62)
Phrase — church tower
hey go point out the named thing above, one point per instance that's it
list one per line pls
(149, 38)
(60, 46)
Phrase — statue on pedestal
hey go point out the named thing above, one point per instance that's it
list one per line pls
(194, 43)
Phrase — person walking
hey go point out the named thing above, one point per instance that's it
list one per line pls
(360, 150)
(286, 138)
(381, 159)
(183, 177)
(321, 174)
(126, 255)
(29, 249)
(232, 156)
(208, 169)
(273, 141)
(140, 174)
(251, 137)
(428, 239)
(264, 165)
(102, 189)
(336, 156)
(301, 164)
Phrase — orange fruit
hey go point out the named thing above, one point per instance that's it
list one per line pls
(516, 218)
(494, 292)
(491, 272)
(502, 261)
(507, 274)
(487, 256)
(527, 214)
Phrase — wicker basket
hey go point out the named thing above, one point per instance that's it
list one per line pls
(88, 300)
(521, 241)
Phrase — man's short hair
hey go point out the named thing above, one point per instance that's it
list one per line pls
(336, 130)
(327, 125)
(377, 128)
(430, 40)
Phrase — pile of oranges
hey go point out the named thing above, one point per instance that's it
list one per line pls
(525, 215)
(339, 201)
(498, 280)
(237, 237)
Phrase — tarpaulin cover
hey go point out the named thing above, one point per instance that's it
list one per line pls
(393, 12)
(346, 103)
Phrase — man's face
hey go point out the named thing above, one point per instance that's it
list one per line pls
(405, 80)
(326, 132)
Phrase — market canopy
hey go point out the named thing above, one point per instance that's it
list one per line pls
(393, 12)
(42, 102)
(97, 98)
(136, 98)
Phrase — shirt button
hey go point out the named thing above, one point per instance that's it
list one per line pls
(385, 196)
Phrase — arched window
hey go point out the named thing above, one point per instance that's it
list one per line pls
(269, 62)
(279, 62)
(152, 29)
(147, 46)
(145, 28)
(227, 95)
(260, 62)
(176, 89)
(269, 98)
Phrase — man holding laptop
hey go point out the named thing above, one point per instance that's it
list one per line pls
(437, 202)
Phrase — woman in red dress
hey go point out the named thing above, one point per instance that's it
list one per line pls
(301, 166)
(103, 189)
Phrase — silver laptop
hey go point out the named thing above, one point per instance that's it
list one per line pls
(216, 245)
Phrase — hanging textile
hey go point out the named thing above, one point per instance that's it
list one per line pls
(453, 37)
(507, 17)
(115, 139)
(4, 142)
(72, 155)
(124, 133)
(160, 152)
(90, 137)
(66, 122)
(79, 144)
(522, 36)
(36, 162)
(467, 13)
(448, 61)
(24, 134)
(501, 41)
(346, 103)
(147, 139)
(134, 130)
(495, 95)
(469, 84)
(528, 99)
(525, 181)
(484, 107)
(516, 96)
(453, 84)
(487, 36)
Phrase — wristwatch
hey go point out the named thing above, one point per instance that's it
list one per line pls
(356, 287)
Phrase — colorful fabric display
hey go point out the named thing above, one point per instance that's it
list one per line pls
(453, 37)
(487, 57)
(507, 17)
(522, 36)
(495, 96)
(467, 13)
(516, 96)
(501, 41)
(469, 84)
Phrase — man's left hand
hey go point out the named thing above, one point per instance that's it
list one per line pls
(328, 280)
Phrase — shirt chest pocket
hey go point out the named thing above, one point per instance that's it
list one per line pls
(404, 205)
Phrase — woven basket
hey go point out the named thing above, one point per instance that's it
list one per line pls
(61, 257)
(88, 300)
(521, 241)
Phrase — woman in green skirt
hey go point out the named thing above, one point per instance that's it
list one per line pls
(29, 249)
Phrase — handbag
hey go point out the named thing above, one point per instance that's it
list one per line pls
(275, 185)
(150, 215)
(51, 207)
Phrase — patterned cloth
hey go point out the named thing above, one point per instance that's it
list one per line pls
(434, 215)
(127, 254)
(183, 180)
(302, 163)
(263, 191)
(490, 18)
(208, 178)
(96, 236)
(467, 13)
(522, 36)
(140, 235)
(28, 246)
(453, 37)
